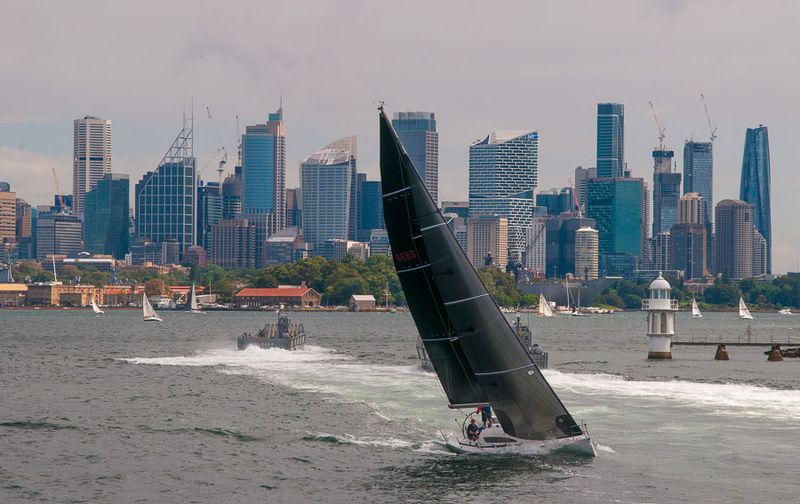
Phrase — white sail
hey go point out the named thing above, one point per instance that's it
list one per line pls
(150, 314)
(695, 309)
(545, 310)
(744, 313)
(96, 309)
(193, 306)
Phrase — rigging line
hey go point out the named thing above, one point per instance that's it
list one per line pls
(492, 373)
(397, 191)
(414, 268)
(450, 303)
(433, 226)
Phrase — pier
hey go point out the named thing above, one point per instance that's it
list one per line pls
(774, 354)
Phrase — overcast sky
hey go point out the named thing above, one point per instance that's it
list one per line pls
(478, 65)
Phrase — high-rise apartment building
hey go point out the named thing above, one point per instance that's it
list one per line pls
(417, 132)
(264, 169)
(581, 176)
(586, 253)
(232, 194)
(233, 243)
(165, 198)
(687, 244)
(26, 246)
(692, 209)
(698, 172)
(209, 211)
(91, 156)
(106, 216)
(610, 140)
(8, 216)
(294, 208)
(733, 244)
(371, 208)
(662, 255)
(754, 187)
(58, 234)
(503, 173)
(487, 237)
(327, 179)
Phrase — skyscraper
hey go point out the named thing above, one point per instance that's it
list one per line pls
(326, 179)
(371, 208)
(91, 156)
(264, 168)
(209, 211)
(692, 209)
(26, 245)
(503, 173)
(688, 249)
(616, 206)
(754, 187)
(610, 140)
(165, 198)
(8, 216)
(417, 132)
(106, 216)
(698, 177)
(294, 208)
(666, 191)
(556, 201)
(233, 243)
(487, 236)
(58, 234)
(232, 194)
(733, 246)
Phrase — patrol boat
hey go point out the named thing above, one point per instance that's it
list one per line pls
(284, 334)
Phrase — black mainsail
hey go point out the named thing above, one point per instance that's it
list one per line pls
(473, 349)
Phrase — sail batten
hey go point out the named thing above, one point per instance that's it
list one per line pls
(455, 302)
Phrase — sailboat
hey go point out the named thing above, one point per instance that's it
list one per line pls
(785, 311)
(150, 314)
(476, 355)
(193, 307)
(576, 312)
(744, 313)
(545, 310)
(695, 309)
(96, 309)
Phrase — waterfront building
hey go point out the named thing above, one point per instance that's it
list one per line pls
(293, 296)
(666, 191)
(58, 234)
(417, 132)
(586, 253)
(754, 187)
(733, 244)
(165, 197)
(233, 243)
(610, 140)
(91, 156)
(209, 211)
(616, 206)
(582, 175)
(327, 180)
(503, 173)
(8, 216)
(556, 200)
(487, 235)
(106, 216)
(264, 168)
(687, 249)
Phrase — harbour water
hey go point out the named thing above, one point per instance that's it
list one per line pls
(108, 409)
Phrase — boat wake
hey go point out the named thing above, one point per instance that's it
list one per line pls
(740, 400)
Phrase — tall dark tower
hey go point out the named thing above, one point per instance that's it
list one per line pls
(754, 185)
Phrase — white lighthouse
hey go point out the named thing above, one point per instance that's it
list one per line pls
(660, 310)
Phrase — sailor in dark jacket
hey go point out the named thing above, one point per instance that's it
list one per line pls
(473, 431)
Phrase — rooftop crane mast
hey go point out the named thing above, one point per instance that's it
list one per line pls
(661, 129)
(221, 166)
(711, 127)
(62, 208)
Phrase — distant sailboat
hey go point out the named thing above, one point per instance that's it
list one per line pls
(193, 307)
(150, 314)
(476, 354)
(695, 309)
(744, 313)
(96, 309)
(545, 310)
(785, 311)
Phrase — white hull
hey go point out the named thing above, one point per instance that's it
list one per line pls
(581, 445)
(197, 312)
(153, 319)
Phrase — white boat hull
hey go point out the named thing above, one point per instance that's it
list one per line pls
(153, 319)
(494, 441)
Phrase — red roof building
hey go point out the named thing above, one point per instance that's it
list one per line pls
(256, 297)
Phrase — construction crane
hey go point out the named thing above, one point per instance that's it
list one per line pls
(711, 127)
(220, 147)
(239, 140)
(661, 129)
(62, 208)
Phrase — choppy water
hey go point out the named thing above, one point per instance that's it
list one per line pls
(113, 410)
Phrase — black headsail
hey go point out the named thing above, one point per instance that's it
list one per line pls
(473, 349)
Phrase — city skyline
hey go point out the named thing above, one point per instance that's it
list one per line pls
(236, 74)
